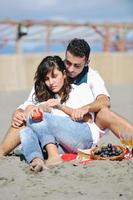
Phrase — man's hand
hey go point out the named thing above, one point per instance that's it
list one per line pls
(79, 114)
(18, 118)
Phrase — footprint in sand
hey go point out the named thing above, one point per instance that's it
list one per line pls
(5, 181)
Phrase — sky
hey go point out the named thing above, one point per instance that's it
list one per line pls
(81, 10)
(68, 10)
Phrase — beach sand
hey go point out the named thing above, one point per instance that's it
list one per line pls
(98, 180)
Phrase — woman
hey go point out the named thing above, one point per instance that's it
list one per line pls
(55, 94)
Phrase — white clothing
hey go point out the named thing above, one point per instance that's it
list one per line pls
(79, 96)
(94, 80)
(29, 101)
(96, 83)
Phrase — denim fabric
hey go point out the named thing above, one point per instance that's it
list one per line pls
(30, 144)
(70, 135)
(59, 129)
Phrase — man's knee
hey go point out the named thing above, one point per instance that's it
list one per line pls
(103, 113)
(102, 118)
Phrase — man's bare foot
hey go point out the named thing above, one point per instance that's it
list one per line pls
(38, 165)
(56, 160)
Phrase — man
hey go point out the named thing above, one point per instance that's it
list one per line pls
(76, 60)
(77, 57)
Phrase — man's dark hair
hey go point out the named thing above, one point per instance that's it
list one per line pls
(79, 47)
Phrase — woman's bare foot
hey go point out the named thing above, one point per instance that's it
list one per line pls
(55, 160)
(38, 165)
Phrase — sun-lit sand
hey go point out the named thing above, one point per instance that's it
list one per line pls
(98, 180)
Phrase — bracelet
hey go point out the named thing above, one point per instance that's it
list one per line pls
(60, 107)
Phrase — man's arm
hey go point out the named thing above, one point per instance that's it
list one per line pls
(100, 102)
(18, 118)
(55, 103)
(69, 111)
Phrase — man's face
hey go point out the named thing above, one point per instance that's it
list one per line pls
(74, 64)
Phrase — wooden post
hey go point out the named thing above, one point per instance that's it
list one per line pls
(121, 43)
(18, 46)
(106, 40)
(48, 34)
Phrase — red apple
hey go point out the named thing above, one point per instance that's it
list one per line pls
(37, 116)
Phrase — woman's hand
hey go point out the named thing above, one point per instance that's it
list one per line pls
(37, 115)
(31, 110)
(45, 107)
(54, 103)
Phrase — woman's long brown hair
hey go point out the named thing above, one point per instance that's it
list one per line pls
(48, 64)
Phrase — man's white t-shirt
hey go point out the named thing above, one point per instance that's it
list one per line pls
(95, 84)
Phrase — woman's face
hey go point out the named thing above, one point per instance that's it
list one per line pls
(54, 80)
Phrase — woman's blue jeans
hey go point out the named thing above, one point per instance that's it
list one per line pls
(63, 131)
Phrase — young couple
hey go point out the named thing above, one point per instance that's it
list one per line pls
(59, 131)
(76, 63)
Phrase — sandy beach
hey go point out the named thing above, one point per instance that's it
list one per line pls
(98, 180)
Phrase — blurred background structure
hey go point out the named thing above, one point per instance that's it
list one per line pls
(111, 49)
(31, 30)
(51, 35)
(47, 26)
